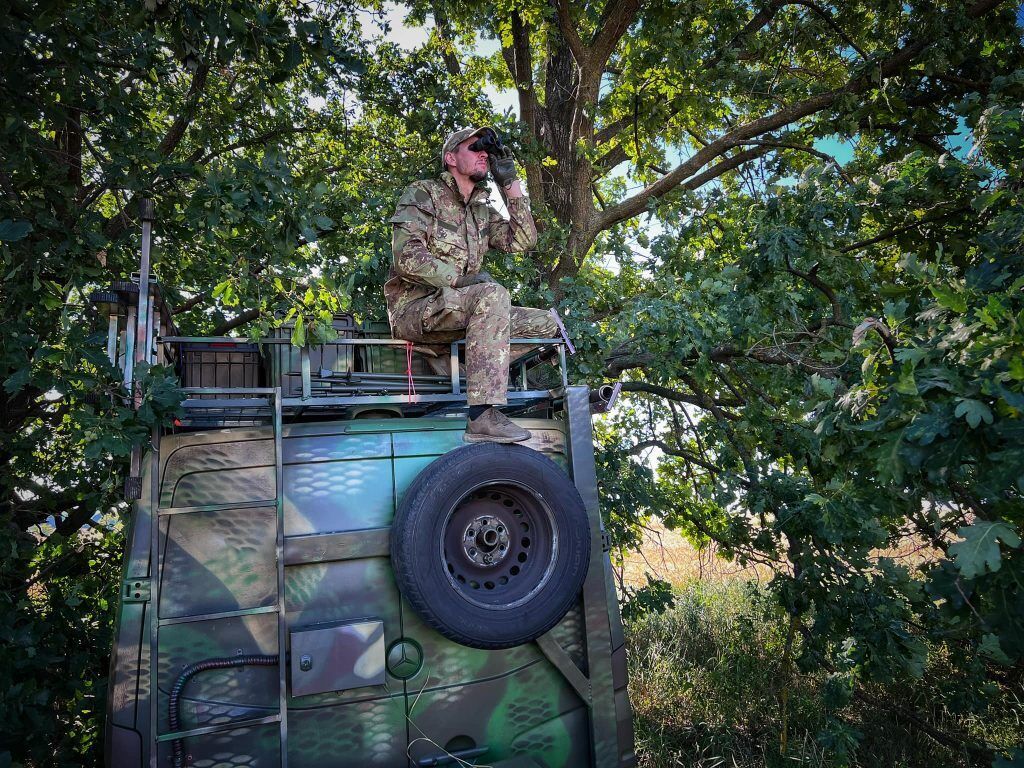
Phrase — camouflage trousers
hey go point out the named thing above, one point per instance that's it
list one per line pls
(482, 314)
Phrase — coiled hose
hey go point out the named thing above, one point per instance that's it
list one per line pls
(173, 715)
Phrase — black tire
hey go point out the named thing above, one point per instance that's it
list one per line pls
(507, 503)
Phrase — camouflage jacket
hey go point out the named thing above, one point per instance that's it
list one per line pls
(438, 237)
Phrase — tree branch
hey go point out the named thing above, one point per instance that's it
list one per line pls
(181, 123)
(809, 150)
(890, 233)
(443, 27)
(241, 319)
(200, 158)
(812, 277)
(760, 20)
(886, 68)
(570, 34)
(626, 357)
(821, 12)
(681, 453)
(519, 61)
(617, 17)
(674, 394)
(117, 224)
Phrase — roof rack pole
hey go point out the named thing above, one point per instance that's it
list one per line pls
(455, 368)
(143, 346)
(304, 363)
(112, 333)
(129, 347)
(144, 320)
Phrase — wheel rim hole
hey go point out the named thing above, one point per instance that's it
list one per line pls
(525, 542)
(514, 570)
(489, 585)
(508, 503)
(503, 580)
(490, 538)
(521, 558)
(474, 584)
(451, 568)
(525, 527)
(461, 579)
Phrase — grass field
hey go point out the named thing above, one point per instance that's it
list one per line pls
(710, 688)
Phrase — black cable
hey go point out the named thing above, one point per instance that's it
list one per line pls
(173, 716)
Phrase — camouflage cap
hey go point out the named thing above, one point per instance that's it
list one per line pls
(456, 138)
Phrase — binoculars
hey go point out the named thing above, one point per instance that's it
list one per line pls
(489, 142)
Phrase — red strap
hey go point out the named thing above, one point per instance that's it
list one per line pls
(410, 385)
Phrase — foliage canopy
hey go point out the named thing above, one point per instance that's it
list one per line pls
(826, 358)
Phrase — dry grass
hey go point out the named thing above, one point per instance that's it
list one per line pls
(668, 556)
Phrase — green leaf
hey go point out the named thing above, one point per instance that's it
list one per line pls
(979, 550)
(17, 380)
(926, 427)
(973, 411)
(991, 649)
(14, 230)
(949, 298)
(1015, 760)
(1017, 368)
(906, 385)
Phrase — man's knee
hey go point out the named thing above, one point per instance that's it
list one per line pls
(535, 323)
(491, 297)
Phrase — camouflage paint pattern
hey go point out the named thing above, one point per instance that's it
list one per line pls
(438, 237)
(343, 481)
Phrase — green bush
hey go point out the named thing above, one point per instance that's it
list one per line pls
(709, 683)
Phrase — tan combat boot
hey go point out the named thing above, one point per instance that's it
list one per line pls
(494, 426)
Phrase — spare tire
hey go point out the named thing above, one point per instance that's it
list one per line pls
(491, 545)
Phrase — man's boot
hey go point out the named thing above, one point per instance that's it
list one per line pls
(494, 426)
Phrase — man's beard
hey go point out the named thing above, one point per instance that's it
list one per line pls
(477, 176)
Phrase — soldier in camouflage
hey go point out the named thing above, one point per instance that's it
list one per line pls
(437, 292)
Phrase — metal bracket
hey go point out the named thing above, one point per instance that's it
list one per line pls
(606, 541)
(135, 591)
(561, 329)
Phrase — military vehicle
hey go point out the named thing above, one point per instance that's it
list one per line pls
(319, 572)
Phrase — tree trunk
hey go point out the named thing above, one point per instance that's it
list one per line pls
(570, 98)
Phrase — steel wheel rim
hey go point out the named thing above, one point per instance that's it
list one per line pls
(517, 517)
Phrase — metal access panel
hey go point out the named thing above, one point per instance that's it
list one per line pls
(337, 657)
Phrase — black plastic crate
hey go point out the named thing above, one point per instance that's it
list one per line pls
(285, 360)
(379, 358)
(212, 364)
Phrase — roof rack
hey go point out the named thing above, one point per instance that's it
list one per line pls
(363, 369)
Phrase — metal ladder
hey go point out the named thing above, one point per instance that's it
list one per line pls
(140, 346)
(267, 402)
